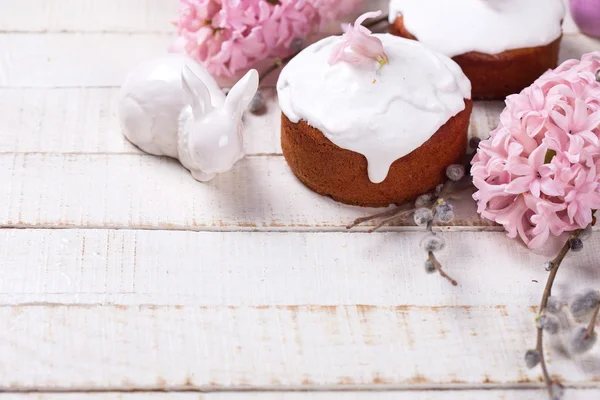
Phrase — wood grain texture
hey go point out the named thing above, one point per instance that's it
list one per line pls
(177, 268)
(49, 60)
(128, 16)
(149, 310)
(143, 191)
(153, 347)
(155, 305)
(74, 60)
(529, 394)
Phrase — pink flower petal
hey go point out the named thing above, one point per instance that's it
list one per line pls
(518, 186)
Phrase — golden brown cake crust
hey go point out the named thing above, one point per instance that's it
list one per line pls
(342, 174)
(495, 76)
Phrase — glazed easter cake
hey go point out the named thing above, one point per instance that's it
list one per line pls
(501, 45)
(372, 127)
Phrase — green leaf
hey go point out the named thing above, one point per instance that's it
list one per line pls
(549, 156)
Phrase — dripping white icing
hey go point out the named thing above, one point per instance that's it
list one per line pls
(455, 27)
(382, 114)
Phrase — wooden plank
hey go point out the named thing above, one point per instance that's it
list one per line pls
(150, 310)
(128, 16)
(520, 394)
(175, 268)
(73, 60)
(84, 120)
(92, 59)
(116, 15)
(573, 47)
(152, 347)
(143, 191)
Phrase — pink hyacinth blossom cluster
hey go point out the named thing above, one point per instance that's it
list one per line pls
(361, 43)
(229, 36)
(539, 172)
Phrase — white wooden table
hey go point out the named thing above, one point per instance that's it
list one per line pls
(123, 278)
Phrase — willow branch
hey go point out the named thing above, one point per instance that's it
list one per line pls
(555, 265)
(439, 268)
(590, 329)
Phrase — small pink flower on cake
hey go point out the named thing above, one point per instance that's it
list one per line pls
(358, 44)
(539, 172)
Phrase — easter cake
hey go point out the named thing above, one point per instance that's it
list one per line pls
(502, 46)
(372, 119)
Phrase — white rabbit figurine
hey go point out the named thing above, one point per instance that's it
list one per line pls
(171, 106)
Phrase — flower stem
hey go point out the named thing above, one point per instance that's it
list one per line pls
(439, 269)
(540, 349)
(547, 293)
(376, 21)
(590, 329)
(279, 62)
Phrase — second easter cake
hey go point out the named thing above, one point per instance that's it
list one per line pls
(502, 46)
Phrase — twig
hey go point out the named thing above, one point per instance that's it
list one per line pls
(449, 188)
(439, 269)
(280, 62)
(397, 216)
(539, 347)
(377, 21)
(388, 213)
(590, 329)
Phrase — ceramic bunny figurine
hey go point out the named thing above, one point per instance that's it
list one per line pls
(171, 106)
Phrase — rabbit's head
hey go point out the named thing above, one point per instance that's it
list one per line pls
(215, 137)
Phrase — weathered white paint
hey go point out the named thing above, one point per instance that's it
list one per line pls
(128, 16)
(121, 310)
(74, 59)
(499, 394)
(129, 267)
(149, 347)
(143, 191)
(301, 346)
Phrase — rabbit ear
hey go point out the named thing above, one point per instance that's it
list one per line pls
(241, 94)
(196, 91)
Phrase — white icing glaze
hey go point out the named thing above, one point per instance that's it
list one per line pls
(455, 27)
(382, 114)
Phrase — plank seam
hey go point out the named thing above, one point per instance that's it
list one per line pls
(308, 388)
(280, 307)
(284, 229)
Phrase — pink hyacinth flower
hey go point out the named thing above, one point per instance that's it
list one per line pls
(359, 44)
(229, 36)
(539, 172)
